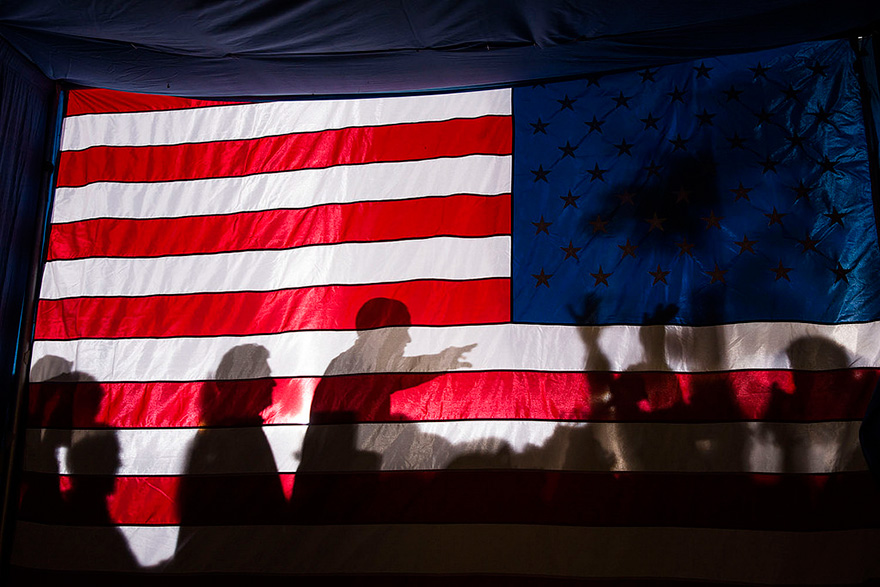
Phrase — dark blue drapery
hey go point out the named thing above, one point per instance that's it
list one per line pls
(277, 47)
(26, 99)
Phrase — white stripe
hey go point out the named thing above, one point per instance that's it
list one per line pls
(736, 556)
(475, 174)
(723, 447)
(246, 121)
(513, 347)
(345, 263)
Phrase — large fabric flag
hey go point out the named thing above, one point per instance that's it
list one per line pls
(615, 328)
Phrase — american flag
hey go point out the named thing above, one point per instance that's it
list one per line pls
(614, 328)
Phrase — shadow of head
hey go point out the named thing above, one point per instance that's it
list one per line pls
(62, 395)
(816, 353)
(242, 388)
(373, 321)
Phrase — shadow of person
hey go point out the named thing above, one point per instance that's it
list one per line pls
(358, 383)
(356, 388)
(612, 397)
(51, 409)
(812, 359)
(62, 399)
(821, 379)
(640, 385)
(713, 401)
(89, 460)
(231, 477)
(66, 404)
(647, 390)
(597, 367)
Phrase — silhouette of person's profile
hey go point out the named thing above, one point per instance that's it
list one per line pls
(811, 358)
(241, 390)
(87, 498)
(344, 394)
(231, 476)
(357, 387)
(61, 399)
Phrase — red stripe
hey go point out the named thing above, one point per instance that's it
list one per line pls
(430, 302)
(348, 146)
(462, 215)
(97, 101)
(744, 501)
(753, 395)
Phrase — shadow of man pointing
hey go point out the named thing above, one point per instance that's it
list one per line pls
(355, 391)
(358, 383)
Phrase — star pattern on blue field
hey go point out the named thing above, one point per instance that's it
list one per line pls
(735, 188)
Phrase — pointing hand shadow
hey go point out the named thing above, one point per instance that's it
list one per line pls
(453, 356)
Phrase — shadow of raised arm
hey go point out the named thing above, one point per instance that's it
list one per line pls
(448, 359)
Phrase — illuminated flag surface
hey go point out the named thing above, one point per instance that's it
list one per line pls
(617, 328)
